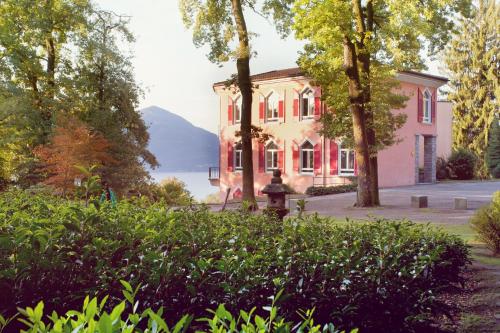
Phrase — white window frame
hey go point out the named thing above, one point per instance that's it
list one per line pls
(427, 107)
(272, 109)
(238, 151)
(310, 105)
(310, 157)
(346, 171)
(274, 157)
(237, 109)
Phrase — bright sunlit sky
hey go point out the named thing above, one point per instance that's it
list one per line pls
(175, 74)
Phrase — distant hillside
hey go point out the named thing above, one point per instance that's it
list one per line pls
(178, 145)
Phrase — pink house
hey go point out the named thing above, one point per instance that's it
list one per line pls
(286, 106)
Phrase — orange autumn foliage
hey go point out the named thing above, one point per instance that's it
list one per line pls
(72, 144)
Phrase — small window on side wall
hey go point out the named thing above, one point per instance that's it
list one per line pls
(238, 157)
(427, 117)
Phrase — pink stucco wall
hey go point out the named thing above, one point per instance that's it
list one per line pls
(396, 164)
(445, 124)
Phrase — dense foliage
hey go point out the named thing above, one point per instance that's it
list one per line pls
(486, 223)
(461, 164)
(325, 190)
(493, 150)
(126, 318)
(442, 168)
(370, 275)
(64, 58)
(473, 63)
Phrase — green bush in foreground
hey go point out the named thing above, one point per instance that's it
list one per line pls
(378, 276)
(486, 222)
(317, 191)
(125, 317)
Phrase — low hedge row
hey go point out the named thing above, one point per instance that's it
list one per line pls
(325, 190)
(379, 276)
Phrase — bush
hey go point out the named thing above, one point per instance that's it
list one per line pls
(441, 168)
(461, 164)
(379, 276)
(125, 317)
(172, 191)
(486, 222)
(317, 191)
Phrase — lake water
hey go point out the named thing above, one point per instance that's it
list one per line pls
(196, 182)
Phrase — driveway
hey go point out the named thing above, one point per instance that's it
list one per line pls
(396, 202)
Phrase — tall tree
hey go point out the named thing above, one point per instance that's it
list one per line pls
(354, 49)
(473, 62)
(493, 149)
(218, 23)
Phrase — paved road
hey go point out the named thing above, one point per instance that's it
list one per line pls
(396, 202)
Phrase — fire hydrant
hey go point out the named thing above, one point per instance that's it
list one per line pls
(276, 196)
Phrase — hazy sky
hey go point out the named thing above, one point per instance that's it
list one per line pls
(175, 74)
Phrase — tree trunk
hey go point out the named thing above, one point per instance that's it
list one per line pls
(363, 57)
(359, 124)
(245, 85)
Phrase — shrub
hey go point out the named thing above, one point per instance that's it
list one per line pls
(173, 192)
(317, 191)
(486, 222)
(378, 276)
(441, 168)
(493, 149)
(461, 163)
(125, 317)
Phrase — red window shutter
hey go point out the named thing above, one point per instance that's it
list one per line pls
(317, 158)
(261, 109)
(296, 107)
(317, 106)
(334, 158)
(420, 112)
(281, 109)
(433, 108)
(281, 161)
(262, 161)
(230, 110)
(356, 165)
(295, 157)
(230, 157)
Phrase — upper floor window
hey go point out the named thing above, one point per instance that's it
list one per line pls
(307, 157)
(427, 117)
(346, 157)
(271, 156)
(237, 109)
(238, 157)
(272, 112)
(307, 104)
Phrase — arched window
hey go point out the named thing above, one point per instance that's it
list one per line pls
(427, 107)
(346, 157)
(238, 157)
(237, 109)
(272, 107)
(307, 157)
(271, 156)
(307, 104)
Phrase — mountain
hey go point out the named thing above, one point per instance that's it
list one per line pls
(178, 145)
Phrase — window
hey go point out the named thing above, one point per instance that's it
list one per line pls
(237, 109)
(307, 157)
(238, 157)
(271, 156)
(346, 157)
(272, 107)
(427, 107)
(307, 104)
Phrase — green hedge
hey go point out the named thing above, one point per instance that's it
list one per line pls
(379, 275)
(317, 191)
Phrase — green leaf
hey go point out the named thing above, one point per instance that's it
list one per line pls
(105, 324)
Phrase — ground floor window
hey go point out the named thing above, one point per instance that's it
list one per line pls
(238, 157)
(271, 156)
(307, 157)
(346, 157)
